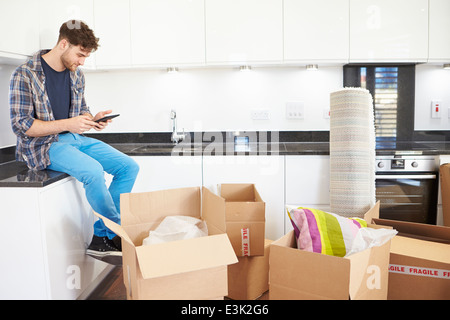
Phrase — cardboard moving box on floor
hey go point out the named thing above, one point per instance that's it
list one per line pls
(187, 269)
(243, 219)
(419, 262)
(444, 173)
(249, 278)
(298, 274)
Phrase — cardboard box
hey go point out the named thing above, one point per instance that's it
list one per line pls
(244, 218)
(186, 269)
(298, 274)
(419, 262)
(249, 278)
(444, 172)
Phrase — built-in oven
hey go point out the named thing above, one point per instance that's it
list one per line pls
(407, 187)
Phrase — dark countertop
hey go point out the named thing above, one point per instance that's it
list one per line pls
(16, 174)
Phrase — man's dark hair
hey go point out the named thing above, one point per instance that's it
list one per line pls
(76, 32)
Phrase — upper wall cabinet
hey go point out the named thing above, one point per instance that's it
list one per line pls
(244, 31)
(167, 32)
(112, 26)
(316, 30)
(385, 30)
(18, 27)
(54, 13)
(439, 31)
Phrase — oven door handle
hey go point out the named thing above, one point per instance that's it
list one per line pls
(405, 176)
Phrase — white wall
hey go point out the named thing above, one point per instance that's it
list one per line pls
(432, 83)
(212, 99)
(7, 137)
(222, 99)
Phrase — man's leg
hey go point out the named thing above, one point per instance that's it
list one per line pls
(122, 167)
(65, 156)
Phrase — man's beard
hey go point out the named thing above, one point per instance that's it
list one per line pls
(67, 64)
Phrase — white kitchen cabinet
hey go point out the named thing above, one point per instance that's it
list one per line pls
(167, 32)
(44, 243)
(167, 172)
(244, 31)
(439, 27)
(307, 182)
(266, 172)
(112, 26)
(52, 14)
(19, 34)
(316, 31)
(388, 31)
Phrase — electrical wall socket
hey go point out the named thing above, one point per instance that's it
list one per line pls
(260, 114)
(295, 110)
(436, 108)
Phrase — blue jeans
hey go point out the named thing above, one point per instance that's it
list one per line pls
(87, 159)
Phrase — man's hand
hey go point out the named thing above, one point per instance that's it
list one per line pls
(81, 124)
(101, 125)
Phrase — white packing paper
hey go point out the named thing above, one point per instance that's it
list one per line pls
(369, 237)
(174, 228)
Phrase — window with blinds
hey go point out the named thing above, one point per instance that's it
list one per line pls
(385, 100)
(392, 89)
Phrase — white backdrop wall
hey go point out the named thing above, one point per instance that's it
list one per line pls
(7, 137)
(213, 99)
(222, 99)
(432, 83)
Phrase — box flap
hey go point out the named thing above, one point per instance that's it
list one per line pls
(444, 179)
(418, 230)
(373, 213)
(421, 249)
(213, 212)
(116, 228)
(176, 257)
(238, 192)
(146, 207)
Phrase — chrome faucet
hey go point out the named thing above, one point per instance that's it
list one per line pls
(176, 137)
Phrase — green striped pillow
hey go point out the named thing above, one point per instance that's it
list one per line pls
(323, 232)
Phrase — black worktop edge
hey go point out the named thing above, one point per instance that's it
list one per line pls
(122, 141)
(209, 136)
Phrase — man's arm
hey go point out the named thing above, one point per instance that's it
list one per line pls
(23, 119)
(78, 124)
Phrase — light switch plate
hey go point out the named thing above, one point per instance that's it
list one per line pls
(436, 109)
(295, 110)
(260, 114)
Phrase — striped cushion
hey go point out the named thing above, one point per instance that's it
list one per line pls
(323, 232)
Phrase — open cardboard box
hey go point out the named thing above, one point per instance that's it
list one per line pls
(419, 261)
(298, 274)
(187, 269)
(244, 218)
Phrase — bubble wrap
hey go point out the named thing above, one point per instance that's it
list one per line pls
(352, 152)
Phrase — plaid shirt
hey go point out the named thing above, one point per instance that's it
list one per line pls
(28, 100)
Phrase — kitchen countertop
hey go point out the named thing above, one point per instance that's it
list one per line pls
(16, 174)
